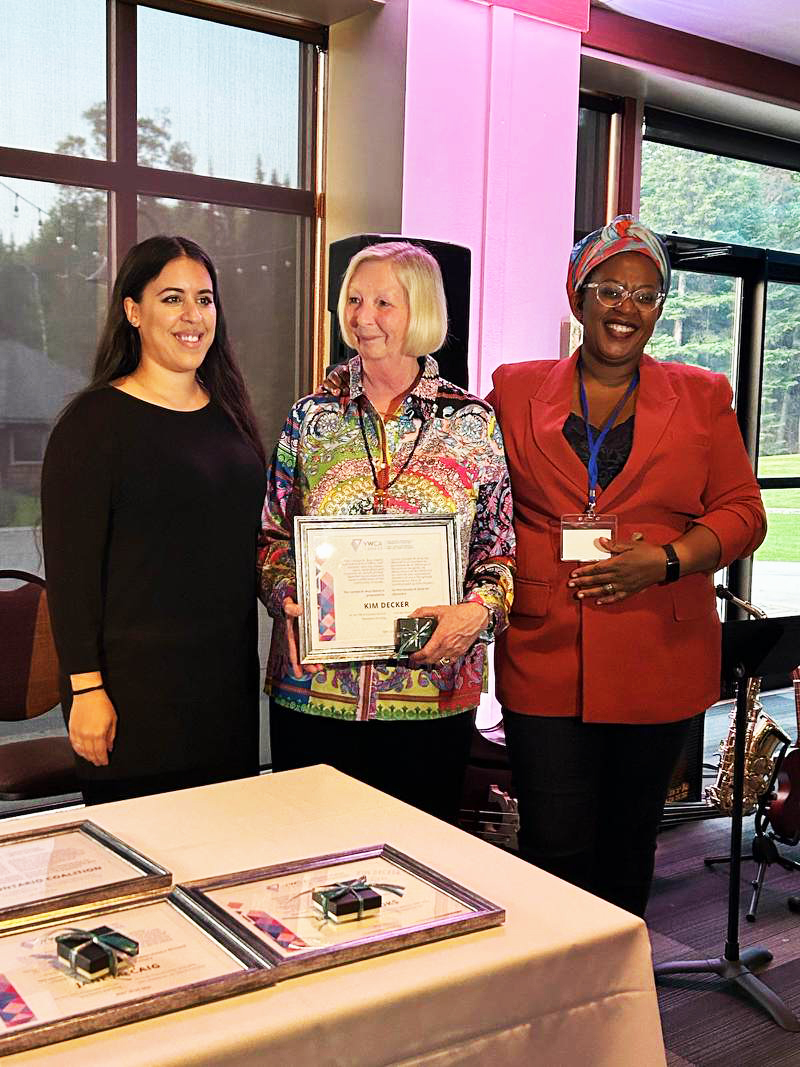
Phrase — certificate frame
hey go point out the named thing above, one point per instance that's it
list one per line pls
(247, 972)
(466, 912)
(146, 876)
(370, 538)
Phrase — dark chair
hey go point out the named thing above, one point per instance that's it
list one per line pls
(39, 767)
(488, 806)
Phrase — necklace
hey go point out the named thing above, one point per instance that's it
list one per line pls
(380, 478)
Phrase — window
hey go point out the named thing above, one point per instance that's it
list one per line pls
(776, 566)
(718, 183)
(746, 214)
(262, 260)
(701, 195)
(698, 323)
(53, 297)
(102, 144)
(104, 148)
(597, 137)
(50, 81)
(239, 116)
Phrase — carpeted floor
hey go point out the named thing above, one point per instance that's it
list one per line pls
(709, 1023)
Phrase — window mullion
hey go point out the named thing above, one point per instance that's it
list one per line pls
(151, 181)
(123, 134)
(748, 399)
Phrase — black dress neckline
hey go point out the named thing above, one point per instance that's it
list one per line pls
(161, 407)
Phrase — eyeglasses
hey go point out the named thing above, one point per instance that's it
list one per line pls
(611, 295)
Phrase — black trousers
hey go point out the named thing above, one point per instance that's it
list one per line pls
(419, 761)
(105, 790)
(591, 797)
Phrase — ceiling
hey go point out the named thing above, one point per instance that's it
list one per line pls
(771, 27)
(325, 12)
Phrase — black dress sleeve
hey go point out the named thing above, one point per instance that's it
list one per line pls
(76, 509)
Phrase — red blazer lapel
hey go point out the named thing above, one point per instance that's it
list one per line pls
(656, 402)
(549, 408)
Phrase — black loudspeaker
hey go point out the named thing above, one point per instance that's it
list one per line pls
(686, 783)
(455, 264)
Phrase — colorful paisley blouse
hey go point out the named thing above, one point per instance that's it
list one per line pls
(320, 467)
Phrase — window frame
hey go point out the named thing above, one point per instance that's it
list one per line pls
(612, 107)
(719, 139)
(124, 180)
(756, 267)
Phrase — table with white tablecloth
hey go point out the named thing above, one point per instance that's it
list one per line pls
(567, 980)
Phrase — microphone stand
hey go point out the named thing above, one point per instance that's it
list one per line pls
(747, 646)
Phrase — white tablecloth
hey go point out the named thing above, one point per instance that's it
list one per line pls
(566, 982)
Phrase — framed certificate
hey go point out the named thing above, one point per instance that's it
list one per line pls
(60, 868)
(184, 958)
(320, 912)
(356, 575)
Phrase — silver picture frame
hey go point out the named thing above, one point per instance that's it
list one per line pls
(272, 908)
(193, 960)
(357, 574)
(63, 868)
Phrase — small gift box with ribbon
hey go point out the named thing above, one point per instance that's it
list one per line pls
(91, 954)
(411, 635)
(347, 901)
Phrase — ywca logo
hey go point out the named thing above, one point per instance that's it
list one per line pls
(364, 542)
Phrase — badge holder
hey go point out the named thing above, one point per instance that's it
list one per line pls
(579, 533)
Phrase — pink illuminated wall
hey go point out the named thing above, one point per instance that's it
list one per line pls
(491, 115)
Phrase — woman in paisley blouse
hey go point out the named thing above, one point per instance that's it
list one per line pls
(384, 433)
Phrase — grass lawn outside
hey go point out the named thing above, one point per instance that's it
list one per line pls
(783, 511)
(779, 466)
(783, 539)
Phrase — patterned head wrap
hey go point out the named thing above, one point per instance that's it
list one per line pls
(622, 234)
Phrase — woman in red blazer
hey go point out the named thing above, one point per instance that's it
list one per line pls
(606, 660)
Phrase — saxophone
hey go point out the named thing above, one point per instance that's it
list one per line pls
(762, 740)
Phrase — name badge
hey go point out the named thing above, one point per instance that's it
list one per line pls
(579, 533)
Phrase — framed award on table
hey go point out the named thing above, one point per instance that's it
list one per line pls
(57, 869)
(357, 575)
(179, 957)
(310, 914)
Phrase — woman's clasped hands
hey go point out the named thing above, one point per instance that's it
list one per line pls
(632, 566)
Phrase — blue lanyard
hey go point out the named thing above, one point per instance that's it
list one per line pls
(595, 443)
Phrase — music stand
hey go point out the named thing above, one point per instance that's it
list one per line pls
(750, 649)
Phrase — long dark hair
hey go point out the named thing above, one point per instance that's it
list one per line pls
(119, 348)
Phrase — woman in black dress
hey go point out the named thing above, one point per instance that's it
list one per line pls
(152, 488)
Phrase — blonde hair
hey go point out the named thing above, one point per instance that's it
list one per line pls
(420, 276)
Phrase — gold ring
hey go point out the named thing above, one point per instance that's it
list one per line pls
(608, 588)
(445, 661)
